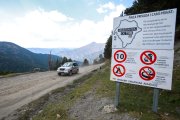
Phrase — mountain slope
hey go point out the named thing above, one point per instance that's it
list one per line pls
(54, 51)
(14, 58)
(90, 51)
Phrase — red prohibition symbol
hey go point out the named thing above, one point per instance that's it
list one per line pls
(119, 70)
(147, 73)
(120, 56)
(148, 57)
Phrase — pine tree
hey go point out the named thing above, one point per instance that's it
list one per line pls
(108, 48)
(86, 62)
(64, 60)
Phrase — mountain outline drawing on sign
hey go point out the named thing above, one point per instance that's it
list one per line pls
(127, 31)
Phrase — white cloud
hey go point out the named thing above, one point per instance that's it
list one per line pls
(53, 29)
(104, 8)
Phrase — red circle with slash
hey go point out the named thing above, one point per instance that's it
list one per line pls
(120, 56)
(147, 73)
(148, 57)
(119, 70)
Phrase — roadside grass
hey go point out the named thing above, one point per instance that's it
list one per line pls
(11, 74)
(37, 105)
(138, 100)
(60, 108)
(135, 100)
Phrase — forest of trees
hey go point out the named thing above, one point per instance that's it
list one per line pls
(143, 6)
(59, 62)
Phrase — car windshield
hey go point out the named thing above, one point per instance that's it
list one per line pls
(67, 64)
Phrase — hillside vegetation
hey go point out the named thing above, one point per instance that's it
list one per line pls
(14, 58)
(143, 6)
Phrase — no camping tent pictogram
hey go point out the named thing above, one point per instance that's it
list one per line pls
(119, 70)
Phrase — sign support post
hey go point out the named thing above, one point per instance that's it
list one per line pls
(155, 99)
(117, 97)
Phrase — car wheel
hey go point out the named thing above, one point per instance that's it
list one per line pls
(59, 74)
(70, 73)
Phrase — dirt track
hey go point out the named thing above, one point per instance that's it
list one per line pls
(20, 90)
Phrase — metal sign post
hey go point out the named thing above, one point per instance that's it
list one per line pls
(155, 99)
(117, 97)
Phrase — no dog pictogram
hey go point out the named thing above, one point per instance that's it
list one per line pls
(148, 57)
(120, 56)
(119, 70)
(147, 73)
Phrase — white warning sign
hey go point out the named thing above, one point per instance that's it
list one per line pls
(143, 49)
(154, 30)
(152, 68)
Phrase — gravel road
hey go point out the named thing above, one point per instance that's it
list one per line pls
(20, 90)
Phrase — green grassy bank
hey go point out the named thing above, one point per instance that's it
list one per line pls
(135, 100)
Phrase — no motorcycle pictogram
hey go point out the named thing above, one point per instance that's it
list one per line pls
(147, 73)
(120, 56)
(148, 57)
(119, 70)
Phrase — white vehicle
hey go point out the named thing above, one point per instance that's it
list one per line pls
(68, 68)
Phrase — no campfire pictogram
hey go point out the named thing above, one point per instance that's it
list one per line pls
(148, 57)
(119, 70)
(120, 56)
(147, 73)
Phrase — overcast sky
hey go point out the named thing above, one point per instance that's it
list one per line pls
(58, 23)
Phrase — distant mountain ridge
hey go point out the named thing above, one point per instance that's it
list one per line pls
(14, 58)
(90, 51)
(54, 51)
